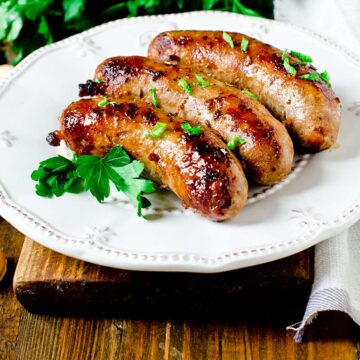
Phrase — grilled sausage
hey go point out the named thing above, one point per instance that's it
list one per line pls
(309, 109)
(268, 151)
(199, 169)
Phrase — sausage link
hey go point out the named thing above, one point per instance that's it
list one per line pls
(309, 109)
(199, 169)
(268, 151)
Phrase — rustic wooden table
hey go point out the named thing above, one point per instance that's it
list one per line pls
(27, 336)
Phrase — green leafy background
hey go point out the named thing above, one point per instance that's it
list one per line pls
(26, 25)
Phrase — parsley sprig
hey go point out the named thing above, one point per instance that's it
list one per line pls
(58, 175)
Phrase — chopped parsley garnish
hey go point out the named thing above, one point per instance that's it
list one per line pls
(183, 83)
(244, 44)
(99, 81)
(317, 77)
(234, 141)
(202, 82)
(249, 93)
(326, 77)
(304, 59)
(288, 67)
(152, 92)
(228, 39)
(58, 175)
(311, 77)
(158, 130)
(192, 130)
(105, 102)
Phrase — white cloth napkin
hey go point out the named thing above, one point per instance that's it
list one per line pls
(337, 267)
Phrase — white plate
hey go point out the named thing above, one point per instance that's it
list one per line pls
(317, 202)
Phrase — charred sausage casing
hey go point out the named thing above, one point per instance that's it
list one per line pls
(268, 151)
(199, 169)
(309, 109)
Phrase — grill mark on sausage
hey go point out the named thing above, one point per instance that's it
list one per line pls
(154, 157)
(119, 71)
(131, 111)
(150, 117)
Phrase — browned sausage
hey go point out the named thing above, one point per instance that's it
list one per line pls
(199, 169)
(268, 151)
(309, 109)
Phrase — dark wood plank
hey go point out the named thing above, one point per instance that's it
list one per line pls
(50, 283)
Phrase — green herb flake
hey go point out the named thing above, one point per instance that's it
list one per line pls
(202, 82)
(305, 59)
(311, 77)
(244, 44)
(183, 84)
(325, 77)
(249, 93)
(228, 39)
(192, 130)
(317, 77)
(234, 141)
(158, 130)
(152, 92)
(58, 175)
(99, 81)
(105, 102)
(288, 67)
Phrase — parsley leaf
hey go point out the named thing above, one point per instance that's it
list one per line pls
(152, 92)
(58, 175)
(244, 44)
(192, 130)
(288, 67)
(202, 82)
(183, 83)
(73, 9)
(228, 39)
(99, 81)
(249, 93)
(236, 140)
(158, 130)
(55, 176)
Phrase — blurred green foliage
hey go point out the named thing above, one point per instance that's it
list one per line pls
(26, 25)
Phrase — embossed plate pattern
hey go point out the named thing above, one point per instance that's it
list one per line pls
(319, 199)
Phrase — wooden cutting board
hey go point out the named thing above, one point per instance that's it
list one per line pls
(49, 283)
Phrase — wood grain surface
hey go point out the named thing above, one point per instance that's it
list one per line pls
(27, 336)
(50, 283)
